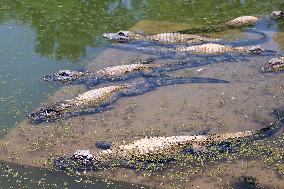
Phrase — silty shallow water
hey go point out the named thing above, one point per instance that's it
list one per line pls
(42, 38)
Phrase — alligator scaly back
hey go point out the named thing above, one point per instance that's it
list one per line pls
(242, 21)
(159, 147)
(68, 75)
(212, 48)
(274, 65)
(88, 99)
(95, 99)
(123, 69)
(123, 36)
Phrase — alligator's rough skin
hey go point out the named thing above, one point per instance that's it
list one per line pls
(242, 21)
(68, 75)
(123, 36)
(155, 147)
(103, 96)
(274, 65)
(88, 99)
(212, 48)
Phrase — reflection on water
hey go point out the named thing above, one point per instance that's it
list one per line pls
(65, 29)
(41, 37)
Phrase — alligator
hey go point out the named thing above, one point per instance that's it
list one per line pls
(138, 152)
(213, 48)
(126, 36)
(99, 98)
(242, 21)
(274, 65)
(145, 68)
(277, 14)
(187, 36)
(239, 22)
(68, 75)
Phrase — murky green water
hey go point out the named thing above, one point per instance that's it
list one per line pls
(39, 37)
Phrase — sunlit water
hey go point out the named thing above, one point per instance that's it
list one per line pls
(40, 37)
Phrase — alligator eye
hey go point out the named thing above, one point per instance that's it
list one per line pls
(121, 33)
(63, 74)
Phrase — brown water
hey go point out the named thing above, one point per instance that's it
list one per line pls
(243, 104)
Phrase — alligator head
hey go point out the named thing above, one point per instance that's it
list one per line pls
(256, 50)
(64, 76)
(120, 36)
(81, 160)
(277, 14)
(274, 65)
(43, 114)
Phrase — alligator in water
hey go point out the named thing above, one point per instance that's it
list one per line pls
(145, 68)
(177, 37)
(95, 99)
(125, 36)
(238, 22)
(212, 48)
(108, 72)
(274, 65)
(155, 148)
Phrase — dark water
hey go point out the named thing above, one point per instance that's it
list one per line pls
(39, 37)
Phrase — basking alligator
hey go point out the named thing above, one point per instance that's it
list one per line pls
(212, 48)
(277, 14)
(108, 72)
(274, 65)
(99, 98)
(145, 68)
(125, 36)
(238, 22)
(155, 149)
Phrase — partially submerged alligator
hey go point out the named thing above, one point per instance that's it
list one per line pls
(104, 96)
(177, 37)
(114, 71)
(154, 148)
(144, 68)
(125, 36)
(239, 22)
(242, 21)
(277, 14)
(212, 48)
(274, 65)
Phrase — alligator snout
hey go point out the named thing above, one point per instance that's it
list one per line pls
(120, 36)
(43, 114)
(61, 163)
(48, 78)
